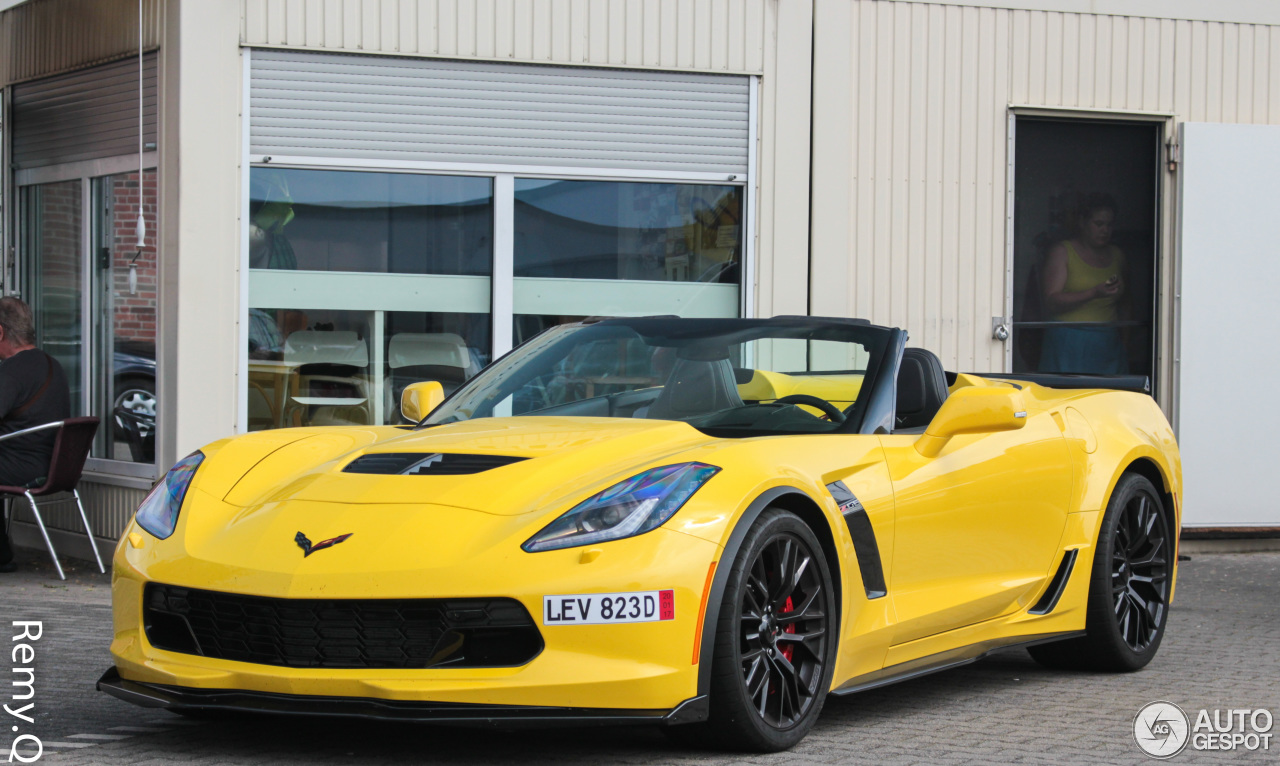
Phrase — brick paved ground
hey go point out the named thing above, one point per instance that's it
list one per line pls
(1221, 651)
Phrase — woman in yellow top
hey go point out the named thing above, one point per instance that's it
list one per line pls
(1084, 282)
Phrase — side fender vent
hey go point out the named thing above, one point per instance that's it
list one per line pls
(427, 463)
(864, 539)
(1058, 584)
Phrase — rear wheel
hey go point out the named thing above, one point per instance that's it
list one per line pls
(1129, 588)
(775, 639)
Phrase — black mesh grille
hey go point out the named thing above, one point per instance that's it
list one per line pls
(427, 463)
(341, 633)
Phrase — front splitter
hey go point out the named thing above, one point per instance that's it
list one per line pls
(181, 699)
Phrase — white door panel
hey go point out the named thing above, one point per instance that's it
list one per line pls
(1229, 358)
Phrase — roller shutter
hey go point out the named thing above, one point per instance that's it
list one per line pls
(385, 108)
(84, 115)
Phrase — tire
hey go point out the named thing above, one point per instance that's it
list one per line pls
(1129, 586)
(772, 663)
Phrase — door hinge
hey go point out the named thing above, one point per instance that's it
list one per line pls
(1173, 154)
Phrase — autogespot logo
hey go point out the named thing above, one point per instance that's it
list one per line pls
(1161, 729)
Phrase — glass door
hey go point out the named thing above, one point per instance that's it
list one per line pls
(52, 226)
(1085, 246)
(123, 312)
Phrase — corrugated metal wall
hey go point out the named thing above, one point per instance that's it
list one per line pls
(911, 102)
(46, 37)
(83, 115)
(706, 35)
(307, 104)
(109, 509)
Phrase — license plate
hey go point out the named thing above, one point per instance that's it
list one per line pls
(609, 608)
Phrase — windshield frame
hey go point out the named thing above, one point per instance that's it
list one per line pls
(878, 389)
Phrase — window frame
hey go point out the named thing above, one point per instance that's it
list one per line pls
(502, 176)
(85, 172)
(1164, 322)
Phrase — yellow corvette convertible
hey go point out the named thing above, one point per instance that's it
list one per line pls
(705, 524)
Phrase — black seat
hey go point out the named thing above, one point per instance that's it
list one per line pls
(696, 387)
(922, 388)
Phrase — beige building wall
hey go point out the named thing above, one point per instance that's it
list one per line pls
(198, 350)
(911, 108)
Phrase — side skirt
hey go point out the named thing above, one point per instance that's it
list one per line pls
(954, 658)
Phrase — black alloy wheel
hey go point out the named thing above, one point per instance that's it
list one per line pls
(782, 629)
(1129, 585)
(775, 640)
(1140, 571)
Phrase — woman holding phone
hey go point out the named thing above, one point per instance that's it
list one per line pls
(1084, 283)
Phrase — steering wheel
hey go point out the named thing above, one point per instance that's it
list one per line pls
(830, 410)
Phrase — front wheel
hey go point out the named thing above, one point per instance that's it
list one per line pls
(1129, 589)
(775, 639)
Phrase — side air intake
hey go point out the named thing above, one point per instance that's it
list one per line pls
(1058, 584)
(427, 463)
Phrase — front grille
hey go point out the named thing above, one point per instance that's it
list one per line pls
(427, 463)
(341, 633)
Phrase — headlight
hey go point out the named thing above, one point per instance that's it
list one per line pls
(158, 513)
(626, 509)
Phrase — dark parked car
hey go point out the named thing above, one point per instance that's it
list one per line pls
(134, 403)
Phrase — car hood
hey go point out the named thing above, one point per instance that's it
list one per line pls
(563, 458)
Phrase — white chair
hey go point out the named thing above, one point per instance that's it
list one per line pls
(336, 361)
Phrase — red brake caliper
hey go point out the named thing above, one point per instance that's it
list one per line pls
(788, 649)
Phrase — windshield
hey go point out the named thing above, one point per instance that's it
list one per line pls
(727, 377)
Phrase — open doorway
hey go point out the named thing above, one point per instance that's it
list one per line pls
(1085, 251)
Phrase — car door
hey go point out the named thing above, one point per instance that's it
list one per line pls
(977, 526)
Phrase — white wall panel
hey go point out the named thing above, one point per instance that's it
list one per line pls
(909, 156)
(703, 35)
(1230, 276)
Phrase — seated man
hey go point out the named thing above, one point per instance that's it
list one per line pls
(33, 391)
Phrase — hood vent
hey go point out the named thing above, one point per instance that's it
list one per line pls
(427, 463)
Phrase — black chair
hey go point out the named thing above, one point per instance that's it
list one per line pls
(70, 449)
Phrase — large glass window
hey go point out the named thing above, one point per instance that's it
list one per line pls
(382, 223)
(93, 289)
(361, 283)
(610, 248)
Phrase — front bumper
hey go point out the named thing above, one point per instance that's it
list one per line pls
(643, 666)
(179, 699)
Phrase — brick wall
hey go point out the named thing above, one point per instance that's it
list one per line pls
(135, 314)
(59, 238)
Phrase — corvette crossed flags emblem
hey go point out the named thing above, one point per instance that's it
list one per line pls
(308, 548)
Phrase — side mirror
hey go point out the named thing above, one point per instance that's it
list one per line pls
(419, 399)
(973, 410)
